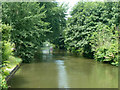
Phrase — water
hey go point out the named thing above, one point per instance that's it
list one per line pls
(62, 70)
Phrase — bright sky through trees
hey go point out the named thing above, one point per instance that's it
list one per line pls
(71, 3)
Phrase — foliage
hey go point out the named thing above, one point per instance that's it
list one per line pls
(105, 44)
(29, 29)
(6, 51)
(7, 47)
(6, 32)
(3, 83)
(7, 59)
(55, 15)
(92, 28)
(33, 23)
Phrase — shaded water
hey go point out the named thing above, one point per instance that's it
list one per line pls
(62, 70)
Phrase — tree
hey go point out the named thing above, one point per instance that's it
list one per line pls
(29, 29)
(83, 34)
(55, 15)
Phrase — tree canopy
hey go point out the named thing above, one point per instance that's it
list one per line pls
(92, 27)
(33, 23)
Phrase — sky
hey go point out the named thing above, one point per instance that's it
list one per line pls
(71, 3)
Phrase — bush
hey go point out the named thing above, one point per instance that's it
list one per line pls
(29, 29)
(6, 49)
(92, 28)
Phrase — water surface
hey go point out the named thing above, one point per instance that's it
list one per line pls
(62, 70)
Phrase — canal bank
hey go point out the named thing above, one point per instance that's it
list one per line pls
(62, 70)
(8, 70)
(12, 71)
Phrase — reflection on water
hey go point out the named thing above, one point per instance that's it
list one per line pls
(61, 70)
(62, 75)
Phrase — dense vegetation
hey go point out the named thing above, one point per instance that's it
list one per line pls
(92, 31)
(25, 27)
(28, 28)
(6, 51)
(32, 24)
(55, 15)
(7, 54)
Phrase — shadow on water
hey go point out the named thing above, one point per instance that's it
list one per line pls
(17, 78)
(62, 70)
(49, 57)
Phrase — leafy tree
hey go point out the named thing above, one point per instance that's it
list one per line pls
(6, 50)
(55, 15)
(84, 24)
(29, 29)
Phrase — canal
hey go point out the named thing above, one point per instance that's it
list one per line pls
(62, 70)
